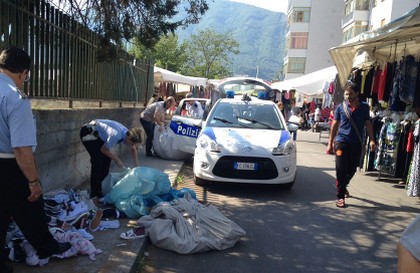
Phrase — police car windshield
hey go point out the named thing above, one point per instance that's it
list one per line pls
(244, 115)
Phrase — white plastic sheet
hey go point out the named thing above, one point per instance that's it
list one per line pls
(165, 144)
(186, 226)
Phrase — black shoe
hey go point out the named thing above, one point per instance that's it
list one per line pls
(62, 247)
(151, 155)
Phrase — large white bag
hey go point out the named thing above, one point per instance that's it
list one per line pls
(186, 226)
(165, 144)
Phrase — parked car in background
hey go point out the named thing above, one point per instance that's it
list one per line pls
(246, 140)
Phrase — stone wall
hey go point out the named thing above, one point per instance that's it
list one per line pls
(61, 159)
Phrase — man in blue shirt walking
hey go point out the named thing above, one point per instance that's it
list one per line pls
(351, 117)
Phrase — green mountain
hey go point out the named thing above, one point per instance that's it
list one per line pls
(260, 33)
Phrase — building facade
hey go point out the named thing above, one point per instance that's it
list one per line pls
(364, 15)
(314, 26)
(386, 11)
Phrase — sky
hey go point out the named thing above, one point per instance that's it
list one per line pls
(274, 5)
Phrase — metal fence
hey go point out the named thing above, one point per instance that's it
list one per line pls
(64, 53)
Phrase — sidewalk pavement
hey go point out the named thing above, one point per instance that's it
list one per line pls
(118, 255)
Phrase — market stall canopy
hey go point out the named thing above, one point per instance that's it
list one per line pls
(311, 84)
(163, 75)
(402, 34)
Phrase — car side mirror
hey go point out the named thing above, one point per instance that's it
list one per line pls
(292, 127)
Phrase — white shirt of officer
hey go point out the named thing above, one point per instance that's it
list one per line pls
(17, 123)
(194, 109)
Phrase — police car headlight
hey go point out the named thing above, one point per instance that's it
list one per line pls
(286, 148)
(209, 144)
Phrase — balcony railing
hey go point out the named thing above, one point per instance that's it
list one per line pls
(348, 18)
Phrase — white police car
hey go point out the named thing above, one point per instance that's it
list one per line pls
(245, 140)
(186, 126)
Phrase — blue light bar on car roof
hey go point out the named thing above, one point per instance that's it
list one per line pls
(230, 94)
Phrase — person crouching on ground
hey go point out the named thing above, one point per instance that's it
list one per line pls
(98, 137)
(154, 114)
(21, 191)
(350, 119)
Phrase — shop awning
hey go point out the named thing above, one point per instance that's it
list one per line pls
(163, 75)
(311, 84)
(402, 34)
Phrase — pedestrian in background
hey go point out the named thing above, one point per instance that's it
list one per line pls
(153, 99)
(98, 137)
(154, 114)
(283, 110)
(350, 119)
(21, 191)
(317, 118)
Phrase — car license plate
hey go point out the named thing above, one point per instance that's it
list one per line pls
(245, 166)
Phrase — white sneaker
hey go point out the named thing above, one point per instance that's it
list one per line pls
(77, 209)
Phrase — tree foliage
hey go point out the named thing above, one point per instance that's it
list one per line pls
(167, 53)
(209, 54)
(118, 21)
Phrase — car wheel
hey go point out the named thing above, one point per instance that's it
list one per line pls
(199, 181)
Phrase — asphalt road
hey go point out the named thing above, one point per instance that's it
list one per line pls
(301, 230)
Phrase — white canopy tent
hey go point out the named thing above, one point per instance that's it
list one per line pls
(401, 36)
(311, 84)
(163, 75)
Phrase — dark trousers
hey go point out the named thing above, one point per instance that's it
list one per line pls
(347, 156)
(149, 128)
(29, 216)
(100, 164)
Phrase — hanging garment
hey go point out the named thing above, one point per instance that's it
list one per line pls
(194, 91)
(376, 81)
(389, 81)
(396, 103)
(362, 86)
(162, 89)
(408, 81)
(382, 81)
(414, 176)
(388, 147)
(416, 101)
(409, 149)
(338, 95)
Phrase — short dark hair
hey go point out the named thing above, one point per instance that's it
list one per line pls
(15, 59)
(352, 86)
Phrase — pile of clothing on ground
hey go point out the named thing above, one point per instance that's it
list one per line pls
(186, 225)
(72, 216)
